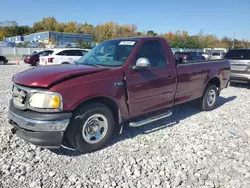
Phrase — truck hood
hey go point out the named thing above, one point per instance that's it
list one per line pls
(50, 75)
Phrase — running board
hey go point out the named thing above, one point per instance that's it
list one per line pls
(151, 119)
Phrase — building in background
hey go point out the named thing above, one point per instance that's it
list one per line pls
(7, 44)
(52, 38)
(15, 39)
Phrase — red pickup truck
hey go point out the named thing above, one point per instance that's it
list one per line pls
(129, 81)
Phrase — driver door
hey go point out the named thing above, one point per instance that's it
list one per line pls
(153, 88)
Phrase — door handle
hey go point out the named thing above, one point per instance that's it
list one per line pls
(170, 77)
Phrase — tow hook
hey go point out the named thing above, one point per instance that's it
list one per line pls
(13, 130)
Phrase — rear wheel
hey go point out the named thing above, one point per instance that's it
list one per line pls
(37, 63)
(209, 98)
(91, 128)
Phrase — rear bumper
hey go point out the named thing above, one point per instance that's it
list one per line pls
(44, 130)
(31, 62)
(236, 77)
(26, 61)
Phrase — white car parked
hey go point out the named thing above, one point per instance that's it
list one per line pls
(217, 55)
(206, 55)
(63, 56)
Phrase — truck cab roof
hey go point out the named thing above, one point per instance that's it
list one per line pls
(138, 38)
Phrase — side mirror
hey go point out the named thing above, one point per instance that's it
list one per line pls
(142, 63)
(179, 60)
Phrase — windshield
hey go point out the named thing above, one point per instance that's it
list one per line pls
(238, 54)
(194, 53)
(112, 53)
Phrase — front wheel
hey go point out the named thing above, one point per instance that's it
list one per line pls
(91, 128)
(209, 98)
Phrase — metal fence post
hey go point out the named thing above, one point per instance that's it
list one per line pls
(14, 50)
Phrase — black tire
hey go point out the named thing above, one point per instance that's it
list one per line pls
(205, 103)
(37, 63)
(74, 132)
(65, 63)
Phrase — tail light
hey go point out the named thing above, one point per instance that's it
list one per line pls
(50, 60)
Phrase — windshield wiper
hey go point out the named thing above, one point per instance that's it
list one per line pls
(75, 62)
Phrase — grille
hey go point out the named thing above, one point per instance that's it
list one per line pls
(19, 97)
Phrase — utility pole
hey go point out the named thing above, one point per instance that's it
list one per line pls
(234, 39)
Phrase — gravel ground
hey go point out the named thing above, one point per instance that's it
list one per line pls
(189, 149)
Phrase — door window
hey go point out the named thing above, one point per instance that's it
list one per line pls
(70, 53)
(153, 51)
(84, 52)
(238, 54)
(74, 53)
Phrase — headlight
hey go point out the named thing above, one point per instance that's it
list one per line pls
(45, 100)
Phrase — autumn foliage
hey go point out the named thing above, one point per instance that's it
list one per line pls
(110, 30)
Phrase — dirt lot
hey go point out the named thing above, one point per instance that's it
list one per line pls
(189, 149)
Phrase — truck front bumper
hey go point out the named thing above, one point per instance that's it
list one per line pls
(42, 129)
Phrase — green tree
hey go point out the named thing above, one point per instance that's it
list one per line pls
(46, 24)
(71, 27)
(227, 41)
(105, 31)
(24, 30)
(151, 33)
(38, 26)
(88, 28)
(59, 27)
(49, 23)
(209, 41)
(2, 35)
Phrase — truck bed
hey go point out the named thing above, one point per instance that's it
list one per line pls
(194, 75)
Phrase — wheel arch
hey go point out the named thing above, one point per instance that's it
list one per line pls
(109, 102)
(65, 62)
(215, 80)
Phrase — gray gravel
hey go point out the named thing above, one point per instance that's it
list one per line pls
(189, 149)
